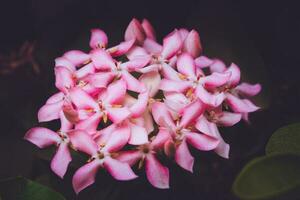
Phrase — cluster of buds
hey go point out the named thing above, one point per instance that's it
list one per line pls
(125, 105)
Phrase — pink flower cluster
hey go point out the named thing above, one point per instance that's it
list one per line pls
(126, 104)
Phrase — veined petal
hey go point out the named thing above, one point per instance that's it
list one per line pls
(140, 105)
(118, 139)
(160, 139)
(98, 39)
(132, 83)
(100, 79)
(186, 65)
(201, 141)
(248, 89)
(82, 100)
(82, 141)
(76, 57)
(191, 112)
(42, 137)
(102, 60)
(115, 92)
(136, 63)
(215, 79)
(157, 174)
(117, 115)
(171, 45)
(152, 46)
(50, 111)
(64, 62)
(149, 30)
(240, 105)
(130, 157)
(138, 135)
(203, 61)
(162, 116)
(213, 100)
(119, 170)
(217, 66)
(135, 31)
(61, 160)
(85, 175)
(174, 86)
(85, 70)
(229, 119)
(121, 48)
(55, 98)
(63, 78)
(90, 124)
(192, 44)
(235, 74)
(183, 157)
(151, 80)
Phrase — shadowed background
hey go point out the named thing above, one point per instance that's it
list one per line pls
(261, 37)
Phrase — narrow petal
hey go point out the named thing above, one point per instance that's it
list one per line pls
(119, 170)
(169, 72)
(201, 141)
(240, 105)
(63, 78)
(213, 100)
(203, 61)
(248, 89)
(171, 45)
(152, 46)
(149, 124)
(100, 79)
(186, 65)
(149, 30)
(162, 116)
(121, 48)
(130, 157)
(82, 141)
(150, 68)
(183, 157)
(90, 124)
(192, 44)
(115, 92)
(42, 137)
(151, 80)
(215, 80)
(61, 160)
(174, 86)
(135, 31)
(85, 175)
(229, 119)
(138, 108)
(65, 125)
(138, 135)
(137, 63)
(118, 139)
(55, 98)
(76, 57)
(223, 149)
(98, 39)
(117, 115)
(132, 83)
(49, 112)
(157, 174)
(102, 60)
(85, 70)
(235, 74)
(191, 112)
(82, 100)
(160, 139)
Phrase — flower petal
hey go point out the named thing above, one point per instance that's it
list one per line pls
(192, 44)
(149, 125)
(215, 79)
(149, 30)
(117, 115)
(174, 86)
(118, 139)
(229, 118)
(49, 112)
(82, 100)
(136, 63)
(42, 137)
(152, 46)
(160, 139)
(183, 157)
(102, 60)
(119, 170)
(248, 89)
(65, 125)
(217, 66)
(130, 157)
(138, 108)
(240, 105)
(90, 124)
(132, 83)
(213, 100)
(61, 160)
(162, 116)
(136, 51)
(186, 65)
(100, 79)
(55, 98)
(115, 92)
(169, 72)
(191, 112)
(207, 127)
(203, 61)
(235, 74)
(138, 135)
(172, 43)
(201, 141)
(85, 70)
(83, 142)
(85, 175)
(98, 39)
(63, 79)
(157, 174)
(135, 31)
(151, 80)
(64, 62)
(149, 68)
(121, 48)
(76, 57)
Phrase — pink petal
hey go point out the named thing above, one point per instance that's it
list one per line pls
(157, 174)
(132, 83)
(136, 63)
(149, 30)
(229, 119)
(85, 175)
(223, 149)
(152, 46)
(119, 170)
(98, 39)
(64, 62)
(138, 108)
(102, 60)
(100, 79)
(115, 92)
(235, 74)
(118, 139)
(63, 79)
(135, 31)
(65, 125)
(149, 68)
(162, 116)
(217, 66)
(171, 45)
(42, 137)
(61, 160)
(121, 48)
(169, 72)
(203, 62)
(207, 127)
(192, 44)
(186, 65)
(174, 86)
(240, 105)
(183, 157)
(201, 141)
(138, 135)
(82, 141)
(148, 121)
(131, 156)
(136, 51)
(102, 136)
(71, 114)
(76, 57)
(55, 98)
(90, 124)
(191, 112)
(82, 100)
(117, 115)
(151, 80)
(49, 112)
(85, 70)
(215, 79)
(183, 33)
(213, 100)
(160, 139)
(248, 89)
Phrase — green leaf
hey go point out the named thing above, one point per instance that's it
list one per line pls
(285, 140)
(20, 188)
(274, 176)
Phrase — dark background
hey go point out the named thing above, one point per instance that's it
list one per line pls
(262, 37)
